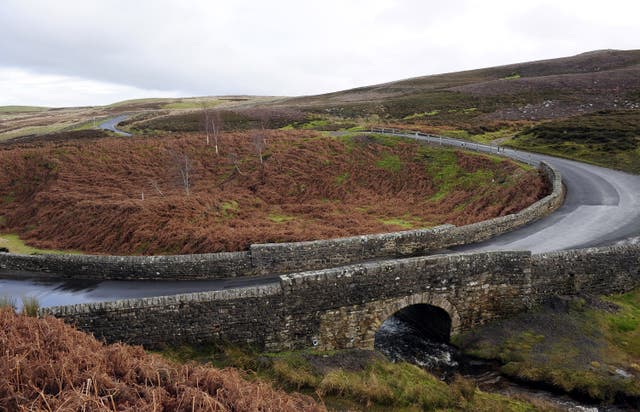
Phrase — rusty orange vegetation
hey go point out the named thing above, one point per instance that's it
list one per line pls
(129, 196)
(48, 365)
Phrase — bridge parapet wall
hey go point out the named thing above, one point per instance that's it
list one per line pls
(248, 315)
(343, 307)
(598, 271)
(202, 266)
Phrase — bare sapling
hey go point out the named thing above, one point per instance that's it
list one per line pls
(205, 123)
(235, 161)
(259, 144)
(156, 187)
(183, 164)
(212, 126)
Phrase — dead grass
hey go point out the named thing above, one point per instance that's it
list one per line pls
(47, 365)
(127, 196)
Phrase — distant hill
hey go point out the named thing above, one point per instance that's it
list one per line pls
(588, 82)
(473, 101)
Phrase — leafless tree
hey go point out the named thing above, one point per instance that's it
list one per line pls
(259, 144)
(212, 125)
(183, 164)
(233, 159)
(185, 173)
(156, 187)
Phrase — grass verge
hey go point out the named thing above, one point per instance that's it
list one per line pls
(588, 346)
(16, 245)
(354, 380)
(607, 138)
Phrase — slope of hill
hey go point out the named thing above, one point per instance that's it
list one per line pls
(607, 138)
(488, 98)
(609, 75)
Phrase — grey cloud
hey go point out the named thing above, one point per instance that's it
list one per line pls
(282, 47)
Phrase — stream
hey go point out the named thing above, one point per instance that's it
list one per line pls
(401, 341)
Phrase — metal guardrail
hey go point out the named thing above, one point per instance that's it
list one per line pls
(463, 144)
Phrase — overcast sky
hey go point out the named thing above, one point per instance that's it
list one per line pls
(88, 52)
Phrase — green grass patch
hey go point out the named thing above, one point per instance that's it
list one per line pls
(512, 76)
(22, 109)
(491, 136)
(16, 245)
(30, 306)
(341, 179)
(138, 101)
(589, 348)
(405, 222)
(191, 104)
(390, 163)
(8, 302)
(415, 116)
(607, 138)
(35, 130)
(623, 325)
(387, 139)
(230, 208)
(280, 218)
(457, 134)
(353, 380)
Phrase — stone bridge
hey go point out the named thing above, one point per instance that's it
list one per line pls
(344, 307)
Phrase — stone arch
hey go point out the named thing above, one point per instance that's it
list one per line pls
(356, 326)
(393, 306)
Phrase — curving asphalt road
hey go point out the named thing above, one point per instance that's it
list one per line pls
(113, 122)
(602, 207)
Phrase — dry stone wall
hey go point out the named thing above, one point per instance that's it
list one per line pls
(203, 266)
(343, 307)
(597, 271)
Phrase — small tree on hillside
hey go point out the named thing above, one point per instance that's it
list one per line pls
(259, 144)
(183, 164)
(212, 120)
(185, 173)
